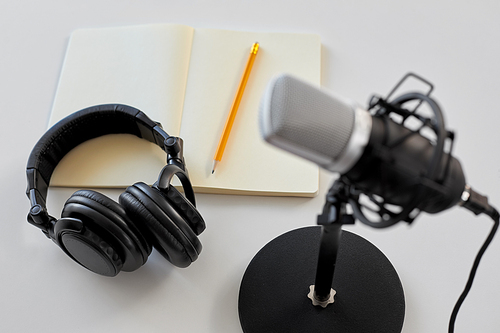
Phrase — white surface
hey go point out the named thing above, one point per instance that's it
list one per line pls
(367, 47)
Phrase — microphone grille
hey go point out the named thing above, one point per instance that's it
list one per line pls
(305, 120)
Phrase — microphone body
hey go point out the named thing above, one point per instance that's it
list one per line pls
(376, 154)
(397, 172)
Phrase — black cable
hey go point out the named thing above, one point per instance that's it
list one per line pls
(493, 213)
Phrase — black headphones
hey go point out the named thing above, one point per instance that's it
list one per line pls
(98, 233)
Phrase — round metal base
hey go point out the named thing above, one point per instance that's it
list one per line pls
(274, 288)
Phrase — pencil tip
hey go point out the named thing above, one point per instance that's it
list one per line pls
(214, 166)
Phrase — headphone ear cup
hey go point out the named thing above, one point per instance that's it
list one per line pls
(109, 222)
(185, 208)
(168, 231)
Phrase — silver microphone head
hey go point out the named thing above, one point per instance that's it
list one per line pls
(311, 123)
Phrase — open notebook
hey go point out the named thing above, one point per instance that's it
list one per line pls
(186, 79)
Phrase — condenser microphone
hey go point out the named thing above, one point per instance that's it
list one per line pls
(378, 155)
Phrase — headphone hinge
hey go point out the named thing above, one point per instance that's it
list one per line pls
(38, 215)
(174, 147)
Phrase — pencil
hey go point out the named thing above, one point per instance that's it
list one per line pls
(234, 107)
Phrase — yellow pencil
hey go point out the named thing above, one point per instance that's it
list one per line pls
(234, 107)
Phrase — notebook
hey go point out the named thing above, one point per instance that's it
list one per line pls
(186, 79)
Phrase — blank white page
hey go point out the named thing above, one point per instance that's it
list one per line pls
(249, 164)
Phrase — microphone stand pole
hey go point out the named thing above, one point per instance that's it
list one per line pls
(331, 220)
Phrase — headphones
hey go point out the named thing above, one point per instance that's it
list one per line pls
(99, 233)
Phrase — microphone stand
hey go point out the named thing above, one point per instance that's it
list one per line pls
(368, 295)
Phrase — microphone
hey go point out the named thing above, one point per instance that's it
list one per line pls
(378, 156)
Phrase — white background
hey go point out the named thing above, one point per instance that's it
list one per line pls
(367, 47)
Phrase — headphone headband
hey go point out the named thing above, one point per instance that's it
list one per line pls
(79, 127)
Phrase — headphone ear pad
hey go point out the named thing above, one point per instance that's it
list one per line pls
(108, 219)
(167, 230)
